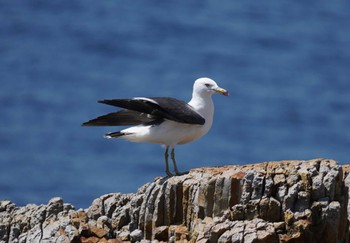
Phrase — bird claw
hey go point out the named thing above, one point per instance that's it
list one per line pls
(181, 173)
(177, 173)
(169, 174)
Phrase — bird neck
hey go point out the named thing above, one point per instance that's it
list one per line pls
(201, 96)
(203, 104)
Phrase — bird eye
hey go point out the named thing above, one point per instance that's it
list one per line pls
(208, 85)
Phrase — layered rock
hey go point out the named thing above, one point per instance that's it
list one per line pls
(288, 201)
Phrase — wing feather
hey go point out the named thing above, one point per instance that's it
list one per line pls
(166, 108)
(123, 118)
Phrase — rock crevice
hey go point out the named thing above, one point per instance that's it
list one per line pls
(288, 201)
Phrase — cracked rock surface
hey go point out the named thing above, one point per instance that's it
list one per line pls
(284, 201)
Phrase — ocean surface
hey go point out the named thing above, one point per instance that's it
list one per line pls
(285, 63)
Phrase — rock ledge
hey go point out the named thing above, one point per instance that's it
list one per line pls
(285, 201)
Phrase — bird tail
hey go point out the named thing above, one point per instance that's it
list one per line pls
(114, 134)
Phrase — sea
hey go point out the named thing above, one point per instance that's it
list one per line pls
(286, 65)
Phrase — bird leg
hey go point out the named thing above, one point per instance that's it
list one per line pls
(166, 155)
(174, 162)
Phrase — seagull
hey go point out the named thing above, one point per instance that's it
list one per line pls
(163, 120)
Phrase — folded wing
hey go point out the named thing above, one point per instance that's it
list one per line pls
(147, 111)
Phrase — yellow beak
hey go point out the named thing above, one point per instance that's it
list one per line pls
(221, 91)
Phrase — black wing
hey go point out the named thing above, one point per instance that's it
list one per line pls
(160, 108)
(180, 111)
(124, 118)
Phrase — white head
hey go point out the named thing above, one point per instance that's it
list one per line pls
(207, 87)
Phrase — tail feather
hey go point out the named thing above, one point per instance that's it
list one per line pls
(114, 134)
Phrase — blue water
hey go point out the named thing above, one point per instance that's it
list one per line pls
(286, 65)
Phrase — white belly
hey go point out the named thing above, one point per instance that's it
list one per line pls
(168, 133)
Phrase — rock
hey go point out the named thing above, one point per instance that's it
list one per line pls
(318, 189)
(136, 235)
(247, 187)
(269, 186)
(270, 209)
(252, 209)
(303, 201)
(161, 233)
(288, 201)
(54, 207)
(291, 197)
(237, 212)
(217, 230)
(179, 232)
(124, 236)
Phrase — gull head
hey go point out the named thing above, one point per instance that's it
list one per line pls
(207, 86)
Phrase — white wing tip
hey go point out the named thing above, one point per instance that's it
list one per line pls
(146, 99)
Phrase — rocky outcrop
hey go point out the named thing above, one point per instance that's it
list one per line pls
(286, 201)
